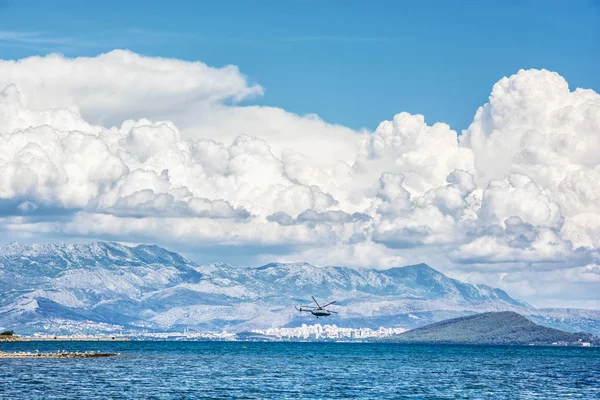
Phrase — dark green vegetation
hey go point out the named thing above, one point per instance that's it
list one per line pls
(492, 328)
(6, 333)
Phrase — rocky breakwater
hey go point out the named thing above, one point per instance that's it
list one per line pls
(58, 354)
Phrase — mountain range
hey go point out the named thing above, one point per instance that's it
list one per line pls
(110, 287)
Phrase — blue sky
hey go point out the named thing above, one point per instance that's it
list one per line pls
(354, 63)
(512, 204)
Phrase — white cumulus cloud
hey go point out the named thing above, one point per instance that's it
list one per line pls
(134, 148)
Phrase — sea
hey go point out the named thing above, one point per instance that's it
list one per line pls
(284, 370)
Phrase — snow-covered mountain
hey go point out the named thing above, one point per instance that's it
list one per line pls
(104, 286)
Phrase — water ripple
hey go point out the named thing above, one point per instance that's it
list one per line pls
(226, 370)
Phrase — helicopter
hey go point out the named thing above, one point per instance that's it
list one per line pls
(319, 311)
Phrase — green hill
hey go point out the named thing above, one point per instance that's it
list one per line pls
(492, 328)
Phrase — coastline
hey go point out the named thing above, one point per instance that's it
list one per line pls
(65, 339)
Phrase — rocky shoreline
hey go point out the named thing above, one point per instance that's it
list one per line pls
(58, 354)
(63, 339)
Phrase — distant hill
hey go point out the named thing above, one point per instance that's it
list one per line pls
(492, 328)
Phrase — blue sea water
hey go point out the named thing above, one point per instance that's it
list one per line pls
(251, 370)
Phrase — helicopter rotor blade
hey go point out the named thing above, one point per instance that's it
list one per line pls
(316, 302)
(328, 304)
(333, 312)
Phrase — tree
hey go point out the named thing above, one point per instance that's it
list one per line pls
(7, 333)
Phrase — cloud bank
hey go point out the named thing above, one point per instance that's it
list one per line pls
(134, 148)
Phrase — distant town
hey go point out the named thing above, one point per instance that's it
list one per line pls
(303, 332)
(318, 331)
